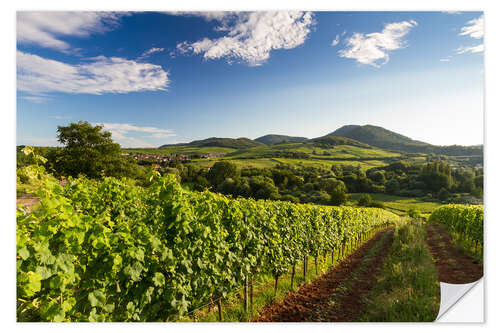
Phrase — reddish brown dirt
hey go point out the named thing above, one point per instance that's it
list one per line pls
(27, 200)
(453, 266)
(322, 299)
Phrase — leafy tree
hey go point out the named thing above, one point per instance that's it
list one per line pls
(89, 150)
(414, 213)
(377, 176)
(263, 188)
(443, 194)
(220, 171)
(289, 197)
(365, 200)
(392, 186)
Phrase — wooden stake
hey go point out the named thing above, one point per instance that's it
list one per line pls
(219, 305)
(245, 295)
(251, 295)
(293, 275)
(275, 284)
(305, 267)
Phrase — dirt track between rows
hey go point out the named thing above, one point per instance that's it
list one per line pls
(453, 266)
(324, 299)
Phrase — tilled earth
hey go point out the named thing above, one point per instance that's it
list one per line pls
(453, 266)
(327, 298)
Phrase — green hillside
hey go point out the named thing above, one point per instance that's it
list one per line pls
(382, 138)
(272, 139)
(342, 149)
(220, 142)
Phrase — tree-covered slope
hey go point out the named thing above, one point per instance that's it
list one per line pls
(272, 139)
(222, 142)
(382, 138)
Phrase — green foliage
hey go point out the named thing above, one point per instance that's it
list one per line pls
(90, 151)
(407, 289)
(364, 200)
(107, 250)
(414, 213)
(466, 221)
(392, 186)
(220, 171)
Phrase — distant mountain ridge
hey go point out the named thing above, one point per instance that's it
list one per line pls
(220, 142)
(354, 135)
(376, 136)
(383, 138)
(272, 139)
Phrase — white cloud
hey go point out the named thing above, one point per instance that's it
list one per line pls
(121, 133)
(336, 40)
(444, 59)
(474, 28)
(162, 135)
(46, 28)
(149, 52)
(36, 99)
(99, 75)
(208, 15)
(251, 36)
(372, 49)
(470, 49)
(452, 12)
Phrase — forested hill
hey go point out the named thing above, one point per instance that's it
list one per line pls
(333, 140)
(272, 139)
(353, 135)
(382, 138)
(221, 142)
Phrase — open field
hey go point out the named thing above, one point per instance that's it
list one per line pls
(240, 163)
(315, 150)
(399, 205)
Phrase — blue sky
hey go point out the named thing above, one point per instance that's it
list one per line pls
(156, 78)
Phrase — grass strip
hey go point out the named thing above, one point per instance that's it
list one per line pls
(407, 289)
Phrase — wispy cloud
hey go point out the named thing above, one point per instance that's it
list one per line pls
(36, 98)
(474, 28)
(470, 49)
(452, 12)
(99, 75)
(121, 132)
(373, 48)
(251, 36)
(45, 29)
(208, 15)
(149, 52)
(445, 59)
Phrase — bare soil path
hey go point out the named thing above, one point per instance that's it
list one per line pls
(338, 294)
(27, 200)
(453, 265)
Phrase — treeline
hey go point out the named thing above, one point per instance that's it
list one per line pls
(435, 180)
(304, 185)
